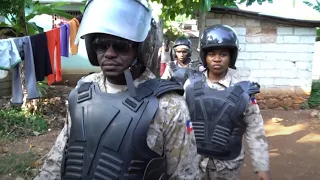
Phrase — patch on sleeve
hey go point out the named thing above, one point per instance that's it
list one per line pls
(253, 100)
(189, 127)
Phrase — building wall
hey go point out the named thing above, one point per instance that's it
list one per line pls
(277, 56)
(5, 86)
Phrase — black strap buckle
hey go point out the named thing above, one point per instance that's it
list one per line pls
(198, 88)
(132, 103)
(235, 94)
(84, 92)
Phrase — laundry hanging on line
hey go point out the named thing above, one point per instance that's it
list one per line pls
(25, 51)
(39, 53)
(9, 54)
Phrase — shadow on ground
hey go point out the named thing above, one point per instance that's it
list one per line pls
(294, 143)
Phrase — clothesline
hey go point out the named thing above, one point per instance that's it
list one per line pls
(41, 55)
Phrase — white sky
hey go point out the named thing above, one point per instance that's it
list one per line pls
(284, 8)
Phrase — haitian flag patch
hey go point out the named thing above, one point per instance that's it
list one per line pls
(189, 127)
(253, 100)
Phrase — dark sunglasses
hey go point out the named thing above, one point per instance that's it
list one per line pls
(119, 46)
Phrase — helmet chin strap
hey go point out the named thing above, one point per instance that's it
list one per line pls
(129, 79)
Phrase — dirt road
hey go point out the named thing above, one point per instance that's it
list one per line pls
(294, 140)
(294, 143)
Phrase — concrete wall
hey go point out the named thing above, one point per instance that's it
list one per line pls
(5, 86)
(277, 56)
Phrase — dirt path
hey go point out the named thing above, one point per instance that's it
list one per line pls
(18, 150)
(294, 139)
(294, 145)
(39, 144)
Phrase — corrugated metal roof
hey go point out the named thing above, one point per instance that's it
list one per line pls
(258, 15)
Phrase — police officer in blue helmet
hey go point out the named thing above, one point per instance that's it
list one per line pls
(222, 106)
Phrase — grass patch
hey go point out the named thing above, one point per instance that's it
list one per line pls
(17, 163)
(15, 123)
(304, 105)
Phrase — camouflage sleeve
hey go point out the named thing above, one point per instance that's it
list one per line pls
(256, 138)
(186, 84)
(166, 73)
(168, 133)
(52, 164)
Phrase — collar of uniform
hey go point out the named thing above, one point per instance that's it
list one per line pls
(113, 88)
(176, 62)
(226, 81)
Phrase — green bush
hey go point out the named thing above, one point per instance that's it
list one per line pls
(17, 123)
(314, 100)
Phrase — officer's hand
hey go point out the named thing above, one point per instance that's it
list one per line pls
(264, 175)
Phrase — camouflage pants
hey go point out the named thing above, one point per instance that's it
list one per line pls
(225, 174)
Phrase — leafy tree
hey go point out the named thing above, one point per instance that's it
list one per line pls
(174, 12)
(14, 12)
(314, 6)
(317, 8)
(171, 9)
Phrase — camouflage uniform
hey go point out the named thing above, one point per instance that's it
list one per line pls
(167, 133)
(254, 135)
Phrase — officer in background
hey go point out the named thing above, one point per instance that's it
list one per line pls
(122, 123)
(223, 109)
(181, 63)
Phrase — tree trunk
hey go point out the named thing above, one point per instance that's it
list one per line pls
(154, 65)
(23, 32)
(158, 45)
(201, 26)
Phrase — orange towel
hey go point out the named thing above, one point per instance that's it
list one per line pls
(53, 37)
(74, 26)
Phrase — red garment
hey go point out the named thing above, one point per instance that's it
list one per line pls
(53, 37)
(162, 68)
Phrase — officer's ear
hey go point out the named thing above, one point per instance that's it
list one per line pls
(189, 52)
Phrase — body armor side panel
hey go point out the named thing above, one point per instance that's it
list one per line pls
(178, 74)
(195, 65)
(108, 135)
(217, 117)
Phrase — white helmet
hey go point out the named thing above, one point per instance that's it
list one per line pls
(129, 19)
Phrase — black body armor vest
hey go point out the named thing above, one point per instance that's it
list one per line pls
(217, 116)
(179, 74)
(109, 131)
